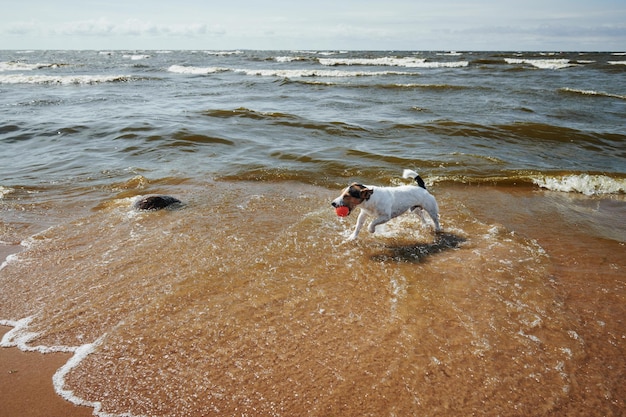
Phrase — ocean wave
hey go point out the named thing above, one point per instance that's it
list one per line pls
(181, 69)
(541, 63)
(426, 86)
(283, 73)
(407, 62)
(4, 191)
(247, 113)
(285, 119)
(591, 93)
(616, 62)
(64, 79)
(137, 57)
(393, 86)
(451, 53)
(22, 66)
(223, 53)
(299, 73)
(583, 183)
(323, 53)
(290, 58)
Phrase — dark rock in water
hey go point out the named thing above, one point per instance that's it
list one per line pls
(155, 202)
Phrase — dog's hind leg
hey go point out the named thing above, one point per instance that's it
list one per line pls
(432, 211)
(434, 214)
(418, 211)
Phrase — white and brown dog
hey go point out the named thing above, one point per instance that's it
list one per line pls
(385, 203)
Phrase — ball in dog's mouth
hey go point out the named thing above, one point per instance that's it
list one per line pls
(342, 211)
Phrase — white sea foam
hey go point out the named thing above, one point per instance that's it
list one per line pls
(316, 73)
(8, 260)
(296, 73)
(22, 66)
(137, 57)
(407, 62)
(5, 190)
(329, 53)
(541, 63)
(181, 69)
(585, 184)
(289, 58)
(323, 53)
(58, 381)
(62, 79)
(617, 62)
(223, 53)
(20, 337)
(592, 93)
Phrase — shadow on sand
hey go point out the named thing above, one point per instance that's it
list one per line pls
(419, 252)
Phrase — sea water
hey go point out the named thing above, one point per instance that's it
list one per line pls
(247, 300)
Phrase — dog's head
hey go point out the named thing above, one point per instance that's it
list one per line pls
(352, 196)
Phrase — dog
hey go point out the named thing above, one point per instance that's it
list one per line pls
(385, 203)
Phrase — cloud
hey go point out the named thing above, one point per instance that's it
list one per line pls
(104, 27)
(400, 24)
(23, 28)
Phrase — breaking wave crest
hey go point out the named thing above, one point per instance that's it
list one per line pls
(408, 62)
(64, 79)
(583, 183)
(592, 93)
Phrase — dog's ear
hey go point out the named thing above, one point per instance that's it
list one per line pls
(366, 193)
(354, 190)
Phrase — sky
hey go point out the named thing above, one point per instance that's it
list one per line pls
(522, 25)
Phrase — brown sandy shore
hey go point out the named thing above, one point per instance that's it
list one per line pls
(26, 388)
(26, 384)
(588, 275)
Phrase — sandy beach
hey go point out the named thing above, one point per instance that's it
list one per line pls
(26, 384)
(585, 277)
(26, 378)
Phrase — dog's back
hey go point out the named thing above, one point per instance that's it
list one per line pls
(394, 201)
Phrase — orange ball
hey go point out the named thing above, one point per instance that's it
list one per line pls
(342, 211)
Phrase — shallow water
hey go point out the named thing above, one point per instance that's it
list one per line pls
(248, 301)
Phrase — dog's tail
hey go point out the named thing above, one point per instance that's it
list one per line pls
(408, 173)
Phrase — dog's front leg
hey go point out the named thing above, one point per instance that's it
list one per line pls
(359, 224)
(376, 222)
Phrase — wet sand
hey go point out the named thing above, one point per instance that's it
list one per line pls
(587, 275)
(26, 384)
